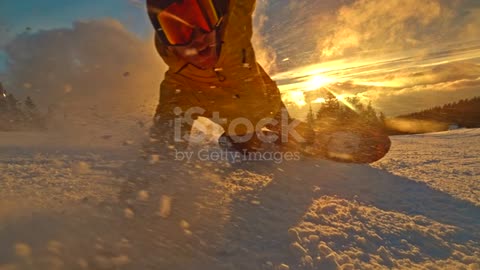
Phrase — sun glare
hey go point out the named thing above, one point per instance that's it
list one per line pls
(318, 81)
(319, 101)
(342, 98)
(296, 97)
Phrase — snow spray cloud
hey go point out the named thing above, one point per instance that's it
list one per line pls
(416, 126)
(93, 64)
(266, 55)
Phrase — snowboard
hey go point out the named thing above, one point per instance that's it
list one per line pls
(362, 146)
(347, 144)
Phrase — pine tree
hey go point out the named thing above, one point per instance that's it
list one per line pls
(370, 114)
(13, 115)
(310, 117)
(3, 99)
(12, 103)
(353, 111)
(30, 109)
(330, 109)
(3, 105)
(29, 104)
(382, 118)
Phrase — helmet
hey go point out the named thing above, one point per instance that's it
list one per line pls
(176, 20)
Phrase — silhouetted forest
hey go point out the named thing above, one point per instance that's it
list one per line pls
(461, 114)
(464, 113)
(16, 115)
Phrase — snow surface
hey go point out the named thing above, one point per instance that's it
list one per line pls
(90, 198)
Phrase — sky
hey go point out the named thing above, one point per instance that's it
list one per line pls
(16, 16)
(401, 55)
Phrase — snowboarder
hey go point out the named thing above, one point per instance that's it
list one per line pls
(213, 73)
(212, 67)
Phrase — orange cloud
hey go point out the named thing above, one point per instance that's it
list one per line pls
(375, 24)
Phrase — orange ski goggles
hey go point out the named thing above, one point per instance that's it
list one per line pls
(176, 23)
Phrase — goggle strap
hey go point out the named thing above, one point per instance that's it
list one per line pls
(205, 15)
(220, 20)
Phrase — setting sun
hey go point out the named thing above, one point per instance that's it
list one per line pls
(318, 81)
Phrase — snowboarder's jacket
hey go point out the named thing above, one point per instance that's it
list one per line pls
(237, 87)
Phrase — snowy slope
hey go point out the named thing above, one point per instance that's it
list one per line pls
(81, 199)
(447, 161)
